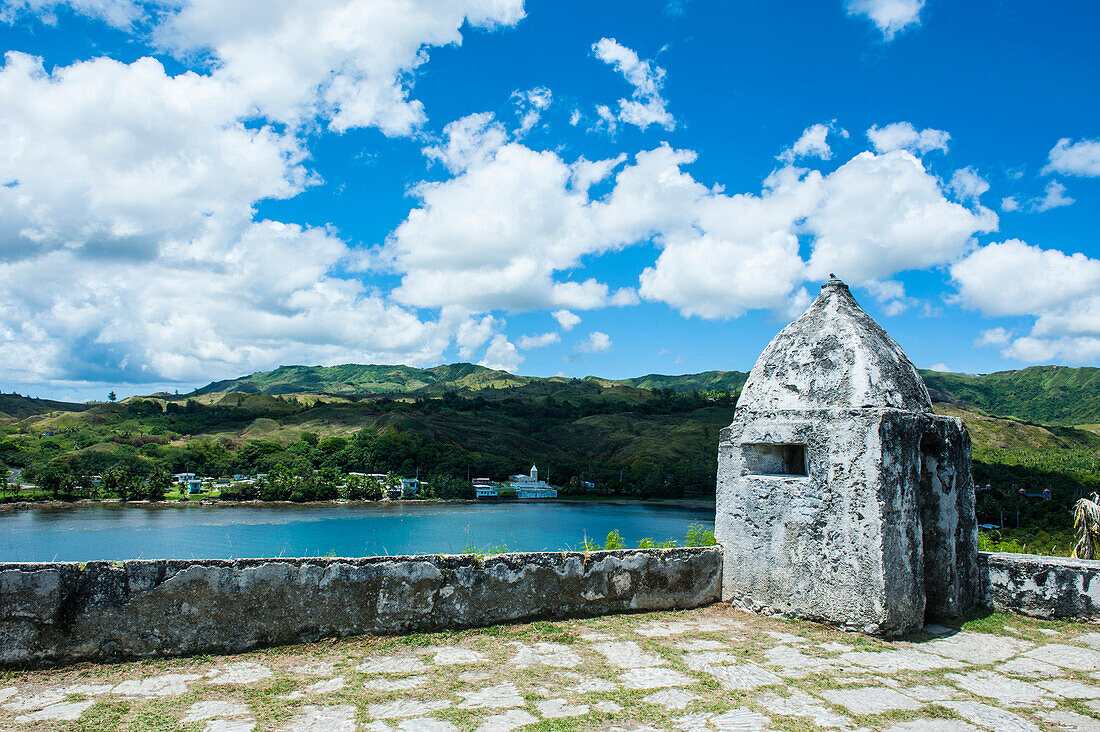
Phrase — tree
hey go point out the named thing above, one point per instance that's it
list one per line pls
(448, 486)
(352, 488)
(157, 484)
(366, 488)
(111, 396)
(278, 485)
(326, 489)
(116, 482)
(392, 482)
(1086, 519)
(57, 479)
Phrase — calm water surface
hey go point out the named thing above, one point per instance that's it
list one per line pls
(107, 531)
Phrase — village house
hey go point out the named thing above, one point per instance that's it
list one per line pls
(484, 488)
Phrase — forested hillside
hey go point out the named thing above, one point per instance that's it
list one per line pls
(628, 441)
(1045, 394)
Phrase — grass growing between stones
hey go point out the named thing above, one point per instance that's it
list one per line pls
(744, 638)
(1027, 627)
(889, 718)
(103, 716)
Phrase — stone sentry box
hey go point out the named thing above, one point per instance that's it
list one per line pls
(841, 496)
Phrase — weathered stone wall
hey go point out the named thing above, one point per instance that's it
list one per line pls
(64, 612)
(928, 510)
(1046, 587)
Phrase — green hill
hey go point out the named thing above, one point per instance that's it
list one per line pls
(365, 379)
(730, 381)
(1047, 394)
(14, 406)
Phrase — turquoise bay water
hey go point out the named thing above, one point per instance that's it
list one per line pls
(109, 531)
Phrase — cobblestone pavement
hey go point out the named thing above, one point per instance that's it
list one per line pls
(712, 669)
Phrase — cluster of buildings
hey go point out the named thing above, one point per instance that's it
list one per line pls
(525, 486)
(193, 484)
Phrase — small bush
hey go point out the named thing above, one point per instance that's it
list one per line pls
(699, 535)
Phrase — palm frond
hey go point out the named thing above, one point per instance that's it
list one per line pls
(1086, 519)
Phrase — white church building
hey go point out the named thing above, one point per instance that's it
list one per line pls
(529, 486)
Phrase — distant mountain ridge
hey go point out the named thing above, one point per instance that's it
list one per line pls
(364, 379)
(384, 379)
(1057, 395)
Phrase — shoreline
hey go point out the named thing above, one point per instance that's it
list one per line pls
(216, 503)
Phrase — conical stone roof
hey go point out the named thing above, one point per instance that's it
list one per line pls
(834, 356)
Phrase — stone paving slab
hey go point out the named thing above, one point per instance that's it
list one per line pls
(706, 670)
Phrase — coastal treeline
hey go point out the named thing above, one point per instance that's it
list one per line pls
(641, 443)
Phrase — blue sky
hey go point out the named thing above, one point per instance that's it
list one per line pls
(193, 190)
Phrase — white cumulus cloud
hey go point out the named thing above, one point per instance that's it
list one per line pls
(128, 194)
(469, 141)
(968, 185)
(1054, 196)
(889, 16)
(1075, 158)
(117, 13)
(566, 319)
(992, 337)
(347, 61)
(530, 104)
(1057, 289)
(1015, 278)
(881, 214)
(813, 143)
(499, 235)
(872, 217)
(646, 106)
(904, 136)
(502, 354)
(540, 340)
(596, 342)
(513, 228)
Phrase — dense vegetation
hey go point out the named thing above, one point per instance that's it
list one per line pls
(1054, 395)
(649, 436)
(625, 441)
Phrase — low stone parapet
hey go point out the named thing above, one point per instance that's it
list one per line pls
(1046, 587)
(63, 612)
